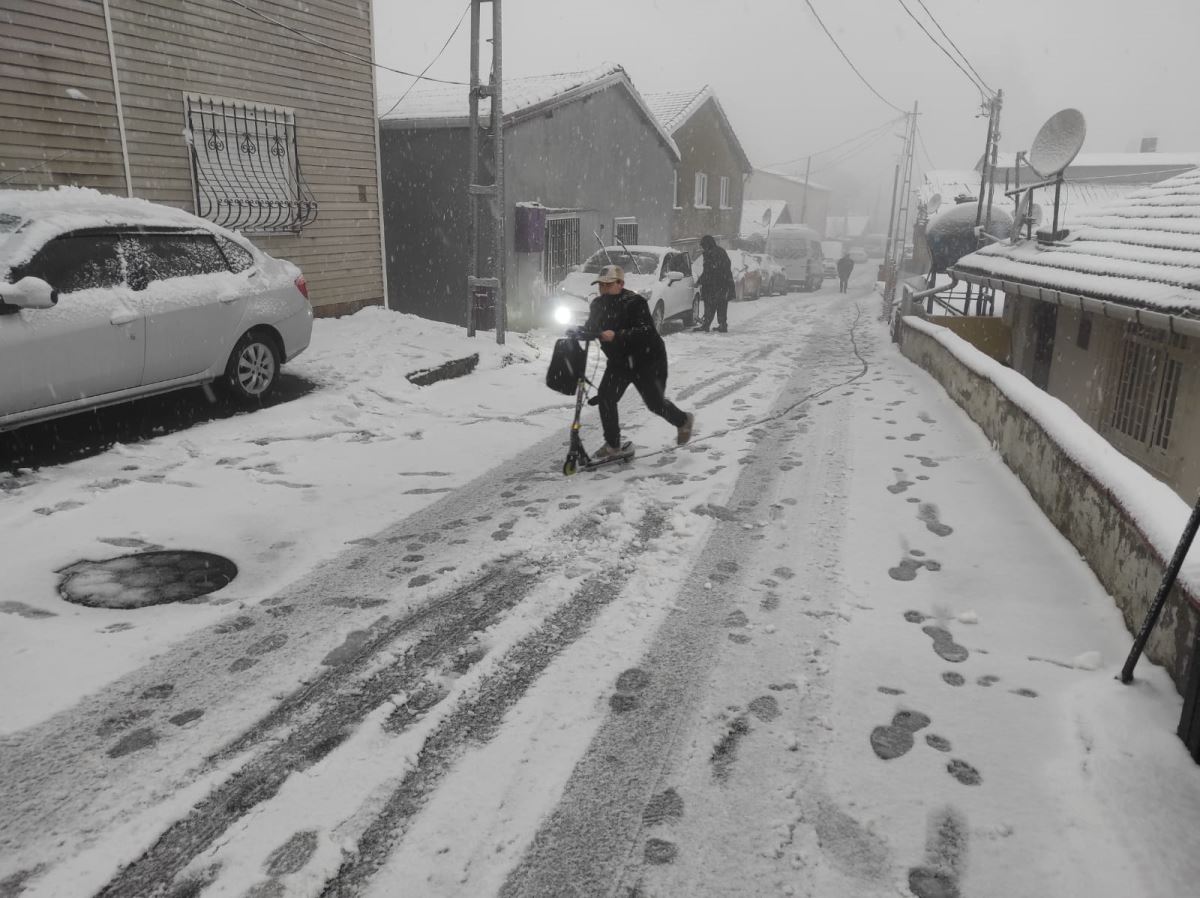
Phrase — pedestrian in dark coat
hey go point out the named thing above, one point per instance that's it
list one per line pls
(845, 265)
(715, 284)
(635, 355)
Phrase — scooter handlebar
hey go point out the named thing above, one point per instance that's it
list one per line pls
(578, 333)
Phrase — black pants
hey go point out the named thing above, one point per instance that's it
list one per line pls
(718, 308)
(844, 281)
(651, 385)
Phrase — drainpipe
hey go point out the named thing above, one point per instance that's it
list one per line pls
(112, 58)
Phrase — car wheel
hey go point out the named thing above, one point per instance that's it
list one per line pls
(659, 316)
(253, 367)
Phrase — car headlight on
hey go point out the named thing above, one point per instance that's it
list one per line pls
(562, 315)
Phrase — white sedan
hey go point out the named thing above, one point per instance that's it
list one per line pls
(661, 274)
(104, 299)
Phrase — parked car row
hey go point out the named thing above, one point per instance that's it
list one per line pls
(666, 277)
(104, 299)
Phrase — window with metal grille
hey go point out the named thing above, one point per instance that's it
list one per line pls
(1147, 385)
(626, 230)
(562, 248)
(245, 165)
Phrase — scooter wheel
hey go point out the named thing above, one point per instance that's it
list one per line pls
(569, 467)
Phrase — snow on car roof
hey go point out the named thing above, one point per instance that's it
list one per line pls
(28, 218)
(1141, 250)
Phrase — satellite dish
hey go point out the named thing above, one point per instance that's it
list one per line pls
(935, 203)
(1057, 143)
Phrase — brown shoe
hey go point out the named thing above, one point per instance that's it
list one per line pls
(684, 432)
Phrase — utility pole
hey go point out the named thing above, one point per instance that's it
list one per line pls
(898, 221)
(988, 169)
(484, 292)
(804, 196)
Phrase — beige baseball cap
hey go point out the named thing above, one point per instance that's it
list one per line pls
(610, 274)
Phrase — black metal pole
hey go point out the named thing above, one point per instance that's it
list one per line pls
(1168, 580)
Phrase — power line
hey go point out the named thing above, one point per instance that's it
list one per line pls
(355, 56)
(417, 80)
(848, 62)
(933, 18)
(851, 153)
(978, 85)
(867, 133)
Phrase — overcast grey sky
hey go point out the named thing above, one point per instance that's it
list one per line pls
(1133, 69)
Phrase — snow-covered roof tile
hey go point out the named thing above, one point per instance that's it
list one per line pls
(452, 101)
(1142, 249)
(1134, 162)
(674, 107)
(449, 106)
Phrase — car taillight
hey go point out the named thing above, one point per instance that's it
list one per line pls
(302, 285)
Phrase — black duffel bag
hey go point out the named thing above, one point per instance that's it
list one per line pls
(568, 363)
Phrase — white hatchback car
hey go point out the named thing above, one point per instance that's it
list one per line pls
(661, 274)
(105, 299)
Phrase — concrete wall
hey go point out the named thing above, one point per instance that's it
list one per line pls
(1086, 513)
(706, 147)
(598, 156)
(426, 221)
(767, 186)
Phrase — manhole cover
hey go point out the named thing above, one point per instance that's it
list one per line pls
(145, 578)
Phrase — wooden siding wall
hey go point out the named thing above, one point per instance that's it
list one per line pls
(167, 49)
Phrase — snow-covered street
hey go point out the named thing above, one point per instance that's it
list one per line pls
(830, 647)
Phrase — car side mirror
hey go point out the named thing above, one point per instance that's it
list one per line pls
(29, 293)
(674, 277)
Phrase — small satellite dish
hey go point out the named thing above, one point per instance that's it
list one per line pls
(935, 203)
(1057, 143)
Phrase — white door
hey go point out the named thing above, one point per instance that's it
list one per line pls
(193, 303)
(90, 344)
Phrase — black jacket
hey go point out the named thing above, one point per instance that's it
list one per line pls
(716, 280)
(637, 346)
(845, 265)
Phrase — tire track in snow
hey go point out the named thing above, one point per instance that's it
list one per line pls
(477, 720)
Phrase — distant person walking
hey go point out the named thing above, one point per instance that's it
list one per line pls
(845, 265)
(715, 284)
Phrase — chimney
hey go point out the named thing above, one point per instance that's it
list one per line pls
(1149, 145)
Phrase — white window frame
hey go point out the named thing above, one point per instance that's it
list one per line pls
(675, 204)
(700, 194)
(725, 193)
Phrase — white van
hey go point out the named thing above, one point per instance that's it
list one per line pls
(798, 249)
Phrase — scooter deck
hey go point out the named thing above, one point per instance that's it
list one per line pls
(576, 463)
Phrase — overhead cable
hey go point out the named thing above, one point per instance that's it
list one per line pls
(861, 78)
(978, 85)
(867, 133)
(346, 53)
(418, 78)
(933, 18)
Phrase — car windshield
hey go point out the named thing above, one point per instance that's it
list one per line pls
(646, 263)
